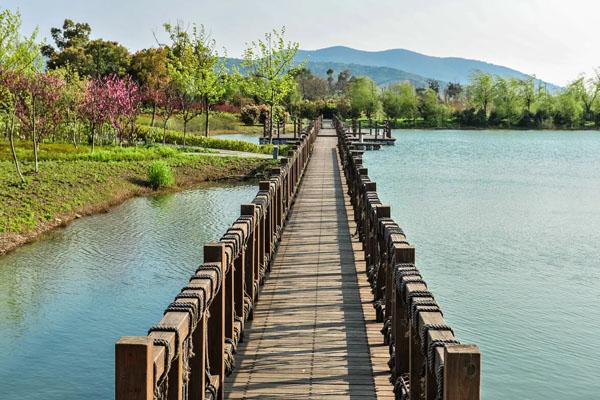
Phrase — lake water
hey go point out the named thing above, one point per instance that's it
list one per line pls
(244, 137)
(507, 230)
(65, 300)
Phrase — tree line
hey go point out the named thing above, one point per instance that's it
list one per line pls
(485, 102)
(91, 90)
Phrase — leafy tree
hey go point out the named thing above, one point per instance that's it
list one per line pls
(17, 53)
(587, 91)
(452, 92)
(507, 100)
(526, 92)
(198, 71)
(433, 113)
(311, 87)
(330, 79)
(569, 109)
(400, 101)
(270, 66)
(362, 94)
(149, 69)
(107, 58)
(75, 50)
(72, 34)
(72, 95)
(481, 91)
(343, 79)
(434, 85)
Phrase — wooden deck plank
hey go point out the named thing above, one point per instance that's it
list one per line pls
(313, 334)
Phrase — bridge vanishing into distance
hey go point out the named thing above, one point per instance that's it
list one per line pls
(312, 293)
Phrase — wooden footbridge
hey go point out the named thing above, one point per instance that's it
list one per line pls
(312, 293)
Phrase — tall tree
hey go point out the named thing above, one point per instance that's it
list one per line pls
(481, 91)
(37, 96)
(311, 87)
(506, 100)
(197, 69)
(588, 91)
(270, 66)
(149, 69)
(362, 93)
(330, 80)
(400, 101)
(452, 92)
(74, 49)
(19, 55)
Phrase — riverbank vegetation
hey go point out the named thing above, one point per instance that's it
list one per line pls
(86, 124)
(77, 182)
(486, 102)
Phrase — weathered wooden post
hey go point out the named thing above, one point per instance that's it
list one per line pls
(251, 270)
(214, 253)
(134, 368)
(462, 372)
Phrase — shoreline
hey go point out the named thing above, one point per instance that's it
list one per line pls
(10, 241)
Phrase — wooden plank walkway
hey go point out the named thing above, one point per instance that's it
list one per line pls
(314, 333)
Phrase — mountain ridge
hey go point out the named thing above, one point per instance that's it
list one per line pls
(445, 69)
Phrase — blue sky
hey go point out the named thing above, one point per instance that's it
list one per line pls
(554, 39)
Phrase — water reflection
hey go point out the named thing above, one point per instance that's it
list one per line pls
(64, 300)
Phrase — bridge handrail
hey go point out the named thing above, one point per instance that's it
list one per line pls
(190, 351)
(426, 359)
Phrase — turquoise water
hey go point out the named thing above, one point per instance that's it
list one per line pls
(65, 300)
(244, 137)
(507, 230)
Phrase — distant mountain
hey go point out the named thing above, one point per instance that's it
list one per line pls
(383, 76)
(446, 69)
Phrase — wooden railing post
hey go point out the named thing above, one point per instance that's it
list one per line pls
(251, 267)
(197, 383)
(134, 368)
(214, 253)
(462, 370)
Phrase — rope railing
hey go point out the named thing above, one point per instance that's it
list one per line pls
(426, 359)
(192, 348)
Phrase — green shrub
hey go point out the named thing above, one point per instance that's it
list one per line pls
(155, 135)
(160, 174)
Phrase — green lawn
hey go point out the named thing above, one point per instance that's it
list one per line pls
(75, 180)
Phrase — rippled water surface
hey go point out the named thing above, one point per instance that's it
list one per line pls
(507, 230)
(65, 300)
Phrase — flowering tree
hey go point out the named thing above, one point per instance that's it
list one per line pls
(7, 106)
(123, 105)
(170, 104)
(36, 98)
(94, 107)
(111, 100)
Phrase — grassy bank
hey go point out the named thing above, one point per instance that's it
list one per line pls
(155, 135)
(219, 123)
(77, 182)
